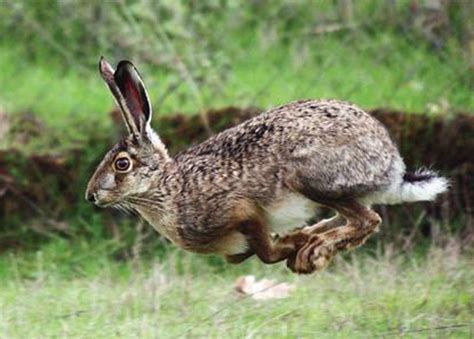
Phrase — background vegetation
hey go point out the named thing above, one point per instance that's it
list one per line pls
(69, 269)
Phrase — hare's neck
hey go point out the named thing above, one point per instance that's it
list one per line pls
(157, 206)
(162, 218)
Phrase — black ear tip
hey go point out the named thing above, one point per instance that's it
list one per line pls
(126, 69)
(126, 64)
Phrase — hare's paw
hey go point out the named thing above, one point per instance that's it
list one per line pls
(322, 256)
(351, 244)
(314, 256)
(354, 239)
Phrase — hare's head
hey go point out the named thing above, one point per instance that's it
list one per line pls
(129, 167)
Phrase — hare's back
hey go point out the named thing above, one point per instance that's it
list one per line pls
(325, 123)
(338, 150)
(334, 147)
(290, 127)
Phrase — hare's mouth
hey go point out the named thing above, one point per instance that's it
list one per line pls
(101, 198)
(103, 204)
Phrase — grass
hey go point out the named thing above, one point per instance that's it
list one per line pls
(376, 70)
(75, 290)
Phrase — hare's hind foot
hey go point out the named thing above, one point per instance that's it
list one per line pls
(313, 256)
(325, 225)
(322, 246)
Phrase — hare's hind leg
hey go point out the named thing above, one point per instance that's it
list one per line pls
(361, 222)
(325, 225)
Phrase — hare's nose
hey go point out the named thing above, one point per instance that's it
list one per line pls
(92, 197)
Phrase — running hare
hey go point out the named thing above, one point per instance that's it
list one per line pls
(250, 189)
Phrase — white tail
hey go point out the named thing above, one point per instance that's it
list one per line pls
(422, 185)
(422, 188)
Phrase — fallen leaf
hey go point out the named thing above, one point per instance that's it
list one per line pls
(263, 289)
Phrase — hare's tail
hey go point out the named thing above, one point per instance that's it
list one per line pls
(422, 185)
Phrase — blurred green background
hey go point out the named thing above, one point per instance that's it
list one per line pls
(69, 269)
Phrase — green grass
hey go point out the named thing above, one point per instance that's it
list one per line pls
(68, 290)
(372, 70)
(379, 70)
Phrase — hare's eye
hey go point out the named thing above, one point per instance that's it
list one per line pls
(122, 164)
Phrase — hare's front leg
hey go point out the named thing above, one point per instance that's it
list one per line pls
(265, 247)
(361, 222)
(278, 244)
(240, 257)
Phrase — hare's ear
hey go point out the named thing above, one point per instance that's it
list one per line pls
(133, 90)
(130, 93)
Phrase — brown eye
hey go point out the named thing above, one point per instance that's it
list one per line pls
(122, 164)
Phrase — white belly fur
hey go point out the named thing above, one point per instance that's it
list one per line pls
(290, 212)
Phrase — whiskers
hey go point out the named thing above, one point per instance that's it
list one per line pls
(155, 203)
(123, 207)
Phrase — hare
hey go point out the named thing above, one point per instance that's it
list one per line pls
(251, 189)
